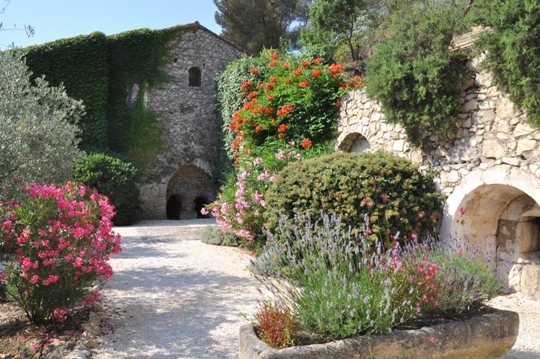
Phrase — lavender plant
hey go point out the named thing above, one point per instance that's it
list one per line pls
(339, 284)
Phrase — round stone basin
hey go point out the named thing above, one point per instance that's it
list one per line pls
(485, 336)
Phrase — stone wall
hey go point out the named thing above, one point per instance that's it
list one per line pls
(489, 169)
(189, 118)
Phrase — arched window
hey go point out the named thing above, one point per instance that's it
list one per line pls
(195, 77)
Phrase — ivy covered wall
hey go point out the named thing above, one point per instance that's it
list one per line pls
(104, 71)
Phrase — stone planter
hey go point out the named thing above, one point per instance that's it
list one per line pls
(485, 336)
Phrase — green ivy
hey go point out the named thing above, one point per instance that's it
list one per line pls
(80, 63)
(414, 75)
(100, 70)
(513, 49)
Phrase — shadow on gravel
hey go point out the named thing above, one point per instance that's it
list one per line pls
(177, 314)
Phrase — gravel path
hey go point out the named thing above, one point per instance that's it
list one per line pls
(173, 296)
(176, 297)
(528, 342)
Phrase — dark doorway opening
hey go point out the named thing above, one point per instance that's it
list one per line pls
(200, 203)
(173, 208)
(194, 77)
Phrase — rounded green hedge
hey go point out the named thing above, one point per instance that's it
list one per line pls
(115, 179)
(392, 191)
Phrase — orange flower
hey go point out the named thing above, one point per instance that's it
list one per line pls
(270, 97)
(274, 55)
(274, 80)
(282, 128)
(273, 63)
(298, 72)
(304, 84)
(317, 61)
(254, 70)
(316, 73)
(247, 150)
(285, 110)
(285, 65)
(305, 64)
(236, 164)
(269, 111)
(246, 86)
(280, 135)
(258, 128)
(288, 81)
(306, 143)
(336, 68)
(269, 87)
(252, 94)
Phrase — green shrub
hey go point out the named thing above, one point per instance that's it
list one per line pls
(115, 179)
(217, 236)
(513, 49)
(414, 75)
(38, 127)
(390, 190)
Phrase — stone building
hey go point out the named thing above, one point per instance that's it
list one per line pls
(489, 170)
(180, 180)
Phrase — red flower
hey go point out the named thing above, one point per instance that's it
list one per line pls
(306, 143)
(246, 85)
(258, 128)
(280, 135)
(274, 55)
(254, 70)
(269, 87)
(304, 84)
(282, 128)
(285, 110)
(316, 73)
(273, 63)
(270, 97)
(338, 103)
(336, 68)
(252, 94)
(317, 61)
(274, 80)
(298, 72)
(288, 81)
(305, 64)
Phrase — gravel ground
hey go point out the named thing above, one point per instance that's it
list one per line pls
(174, 296)
(528, 342)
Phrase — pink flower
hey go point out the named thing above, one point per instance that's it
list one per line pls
(257, 161)
(34, 279)
(463, 211)
(204, 211)
(432, 339)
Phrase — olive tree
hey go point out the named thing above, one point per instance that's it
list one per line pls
(38, 126)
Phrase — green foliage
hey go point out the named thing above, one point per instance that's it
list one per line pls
(115, 179)
(258, 24)
(136, 58)
(414, 75)
(104, 72)
(80, 64)
(38, 126)
(513, 50)
(217, 236)
(389, 190)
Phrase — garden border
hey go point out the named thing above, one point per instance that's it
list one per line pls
(486, 336)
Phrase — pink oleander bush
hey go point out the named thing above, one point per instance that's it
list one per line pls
(59, 240)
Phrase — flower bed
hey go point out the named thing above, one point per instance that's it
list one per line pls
(327, 284)
(485, 336)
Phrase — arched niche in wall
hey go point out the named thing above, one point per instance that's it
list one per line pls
(354, 142)
(194, 77)
(189, 189)
(504, 223)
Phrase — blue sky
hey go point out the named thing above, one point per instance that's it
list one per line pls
(56, 19)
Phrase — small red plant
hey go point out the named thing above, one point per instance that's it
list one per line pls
(276, 325)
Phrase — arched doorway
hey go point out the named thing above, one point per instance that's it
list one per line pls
(188, 191)
(504, 222)
(354, 142)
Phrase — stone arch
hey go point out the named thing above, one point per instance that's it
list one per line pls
(354, 142)
(498, 210)
(194, 77)
(188, 190)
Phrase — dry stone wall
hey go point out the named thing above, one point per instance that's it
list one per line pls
(189, 118)
(488, 169)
